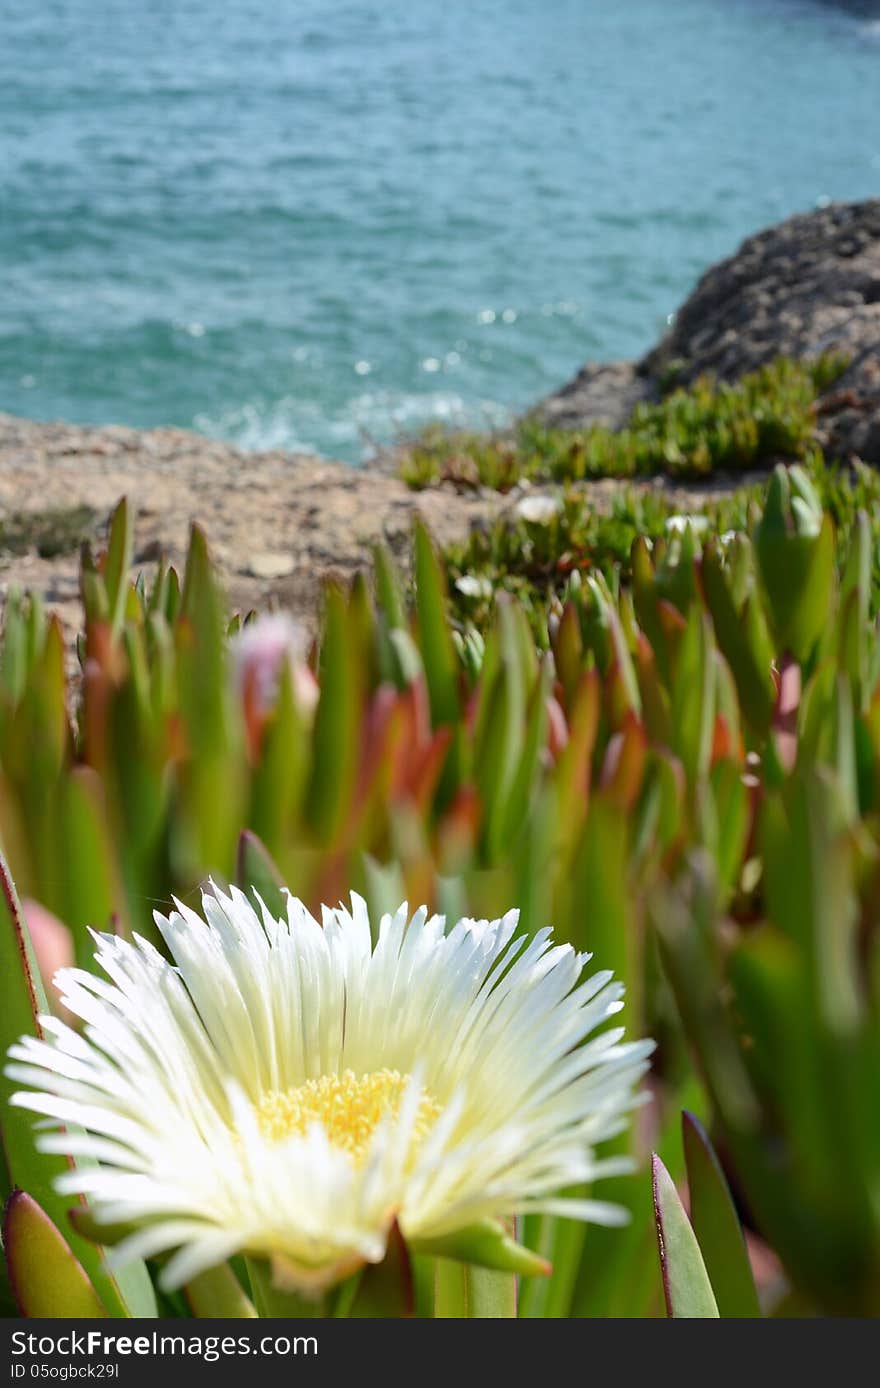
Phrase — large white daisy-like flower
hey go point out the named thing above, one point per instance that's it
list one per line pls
(290, 1089)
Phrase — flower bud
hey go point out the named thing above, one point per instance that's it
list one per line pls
(794, 545)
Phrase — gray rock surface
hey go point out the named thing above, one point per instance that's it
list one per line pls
(601, 393)
(805, 287)
(278, 524)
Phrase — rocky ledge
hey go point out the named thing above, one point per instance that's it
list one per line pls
(806, 287)
(278, 523)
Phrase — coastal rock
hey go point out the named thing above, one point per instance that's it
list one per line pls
(271, 565)
(602, 393)
(278, 523)
(808, 286)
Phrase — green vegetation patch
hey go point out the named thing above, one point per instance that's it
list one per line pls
(704, 428)
(535, 560)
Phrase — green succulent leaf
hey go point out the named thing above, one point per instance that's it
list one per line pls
(386, 1289)
(388, 588)
(743, 638)
(334, 765)
(486, 1244)
(217, 1293)
(47, 1279)
(794, 544)
(256, 870)
(686, 1286)
(117, 563)
(438, 651)
(125, 1293)
(717, 1226)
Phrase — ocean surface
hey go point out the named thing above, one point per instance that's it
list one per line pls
(316, 224)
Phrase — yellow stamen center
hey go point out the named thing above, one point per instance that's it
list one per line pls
(348, 1106)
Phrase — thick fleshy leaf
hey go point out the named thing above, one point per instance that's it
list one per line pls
(465, 1292)
(743, 638)
(568, 652)
(450, 1290)
(47, 1279)
(628, 698)
(13, 656)
(686, 1284)
(501, 738)
(388, 588)
(93, 590)
(437, 649)
(854, 644)
(496, 755)
(335, 746)
(573, 768)
(90, 896)
(282, 767)
(624, 766)
(685, 918)
(118, 562)
(83, 1221)
(617, 1277)
(654, 692)
(210, 775)
(807, 1191)
(386, 1289)
(645, 597)
(599, 876)
(716, 1225)
(693, 696)
(490, 1295)
(810, 893)
(794, 544)
(561, 1241)
(524, 783)
(284, 1291)
(125, 1293)
(730, 822)
(24, 999)
(488, 1245)
(257, 870)
(218, 1294)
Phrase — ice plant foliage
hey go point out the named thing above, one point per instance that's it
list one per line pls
(289, 1089)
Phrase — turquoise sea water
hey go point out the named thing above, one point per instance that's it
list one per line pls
(311, 223)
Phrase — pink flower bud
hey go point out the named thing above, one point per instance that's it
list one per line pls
(259, 651)
(53, 946)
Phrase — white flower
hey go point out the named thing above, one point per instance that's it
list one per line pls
(471, 586)
(288, 1089)
(538, 510)
(677, 525)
